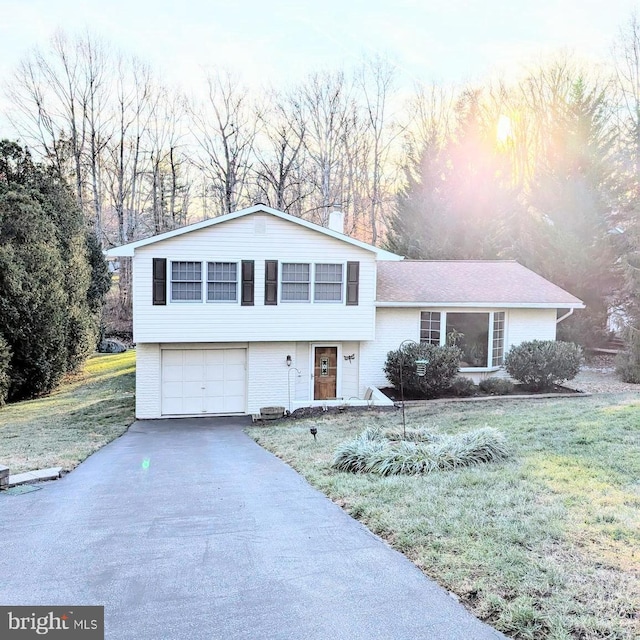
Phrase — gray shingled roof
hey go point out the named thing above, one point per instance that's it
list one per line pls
(467, 282)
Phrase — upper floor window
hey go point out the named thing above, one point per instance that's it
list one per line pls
(186, 281)
(222, 282)
(295, 282)
(328, 283)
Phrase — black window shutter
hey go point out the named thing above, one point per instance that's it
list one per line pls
(159, 281)
(247, 283)
(353, 282)
(271, 282)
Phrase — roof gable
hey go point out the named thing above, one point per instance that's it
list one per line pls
(467, 283)
(129, 249)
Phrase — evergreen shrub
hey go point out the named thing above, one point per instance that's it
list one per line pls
(539, 364)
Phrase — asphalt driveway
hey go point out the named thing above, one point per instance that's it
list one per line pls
(188, 529)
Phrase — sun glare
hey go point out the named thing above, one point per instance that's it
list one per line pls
(504, 129)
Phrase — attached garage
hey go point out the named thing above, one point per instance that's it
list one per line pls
(203, 381)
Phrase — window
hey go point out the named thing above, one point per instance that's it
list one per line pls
(186, 281)
(328, 283)
(295, 282)
(430, 327)
(498, 339)
(222, 282)
(481, 348)
(470, 332)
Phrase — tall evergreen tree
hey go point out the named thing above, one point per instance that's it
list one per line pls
(49, 291)
(456, 196)
(572, 200)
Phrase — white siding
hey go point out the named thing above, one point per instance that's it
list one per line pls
(258, 238)
(148, 377)
(393, 325)
(350, 371)
(529, 324)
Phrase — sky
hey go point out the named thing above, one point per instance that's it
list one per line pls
(277, 42)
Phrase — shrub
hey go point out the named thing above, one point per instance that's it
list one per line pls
(463, 387)
(539, 364)
(496, 386)
(442, 368)
(421, 452)
(5, 360)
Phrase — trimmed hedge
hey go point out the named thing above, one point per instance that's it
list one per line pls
(441, 370)
(539, 364)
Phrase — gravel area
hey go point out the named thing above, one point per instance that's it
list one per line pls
(599, 376)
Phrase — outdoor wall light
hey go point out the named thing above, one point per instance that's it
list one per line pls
(288, 361)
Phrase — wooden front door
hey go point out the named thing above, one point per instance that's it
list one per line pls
(325, 373)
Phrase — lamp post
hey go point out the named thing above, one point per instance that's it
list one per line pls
(421, 370)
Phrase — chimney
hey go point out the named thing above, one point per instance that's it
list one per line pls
(336, 221)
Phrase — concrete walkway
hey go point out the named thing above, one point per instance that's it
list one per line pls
(188, 529)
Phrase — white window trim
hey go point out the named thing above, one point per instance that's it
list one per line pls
(206, 282)
(171, 281)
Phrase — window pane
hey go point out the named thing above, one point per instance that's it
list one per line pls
(186, 291)
(186, 271)
(470, 331)
(295, 292)
(222, 271)
(498, 339)
(330, 292)
(221, 291)
(328, 273)
(295, 273)
(430, 327)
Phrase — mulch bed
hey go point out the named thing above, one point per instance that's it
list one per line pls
(518, 390)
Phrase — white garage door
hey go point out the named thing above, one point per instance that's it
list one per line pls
(203, 381)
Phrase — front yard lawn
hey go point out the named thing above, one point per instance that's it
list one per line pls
(543, 546)
(86, 412)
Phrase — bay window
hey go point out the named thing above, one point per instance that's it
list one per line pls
(480, 335)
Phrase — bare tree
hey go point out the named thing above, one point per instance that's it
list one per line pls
(279, 154)
(376, 82)
(225, 128)
(323, 103)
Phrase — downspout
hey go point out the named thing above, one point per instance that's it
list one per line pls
(565, 316)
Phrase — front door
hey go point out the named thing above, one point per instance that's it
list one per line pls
(325, 373)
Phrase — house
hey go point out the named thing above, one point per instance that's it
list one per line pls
(258, 308)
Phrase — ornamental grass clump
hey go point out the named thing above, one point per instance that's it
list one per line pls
(387, 453)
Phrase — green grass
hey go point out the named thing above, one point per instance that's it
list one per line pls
(86, 412)
(545, 545)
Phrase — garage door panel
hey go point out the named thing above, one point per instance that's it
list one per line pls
(171, 373)
(234, 356)
(214, 373)
(170, 357)
(208, 381)
(214, 356)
